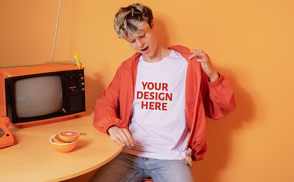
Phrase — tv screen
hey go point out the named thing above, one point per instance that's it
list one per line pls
(38, 96)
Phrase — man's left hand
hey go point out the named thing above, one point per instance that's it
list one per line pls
(206, 64)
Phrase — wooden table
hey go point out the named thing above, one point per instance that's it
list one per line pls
(33, 159)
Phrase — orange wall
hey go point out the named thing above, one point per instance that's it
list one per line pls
(251, 42)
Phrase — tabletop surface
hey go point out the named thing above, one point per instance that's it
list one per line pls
(32, 157)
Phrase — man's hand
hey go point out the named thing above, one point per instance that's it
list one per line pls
(121, 135)
(206, 64)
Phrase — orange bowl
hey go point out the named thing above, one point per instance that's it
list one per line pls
(62, 147)
(69, 136)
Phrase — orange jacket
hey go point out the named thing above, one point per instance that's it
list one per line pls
(203, 99)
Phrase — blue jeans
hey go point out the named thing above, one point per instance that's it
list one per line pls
(130, 168)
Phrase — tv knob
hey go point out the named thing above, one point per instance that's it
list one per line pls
(82, 78)
(73, 78)
(73, 89)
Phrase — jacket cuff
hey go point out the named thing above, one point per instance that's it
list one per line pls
(217, 82)
(107, 128)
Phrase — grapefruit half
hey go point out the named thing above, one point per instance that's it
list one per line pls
(58, 140)
(69, 136)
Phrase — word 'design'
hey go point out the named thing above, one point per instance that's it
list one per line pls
(156, 96)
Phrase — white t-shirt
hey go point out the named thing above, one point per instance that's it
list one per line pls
(158, 114)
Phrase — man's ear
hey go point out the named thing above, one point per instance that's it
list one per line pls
(153, 24)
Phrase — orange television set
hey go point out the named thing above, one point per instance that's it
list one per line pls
(44, 93)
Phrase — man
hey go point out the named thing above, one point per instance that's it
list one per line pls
(157, 104)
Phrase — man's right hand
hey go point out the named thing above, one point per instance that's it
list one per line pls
(121, 135)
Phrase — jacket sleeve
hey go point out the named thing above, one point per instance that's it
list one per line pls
(106, 112)
(219, 99)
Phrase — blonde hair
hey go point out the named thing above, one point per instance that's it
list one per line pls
(129, 20)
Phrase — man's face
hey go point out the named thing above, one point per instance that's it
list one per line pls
(145, 41)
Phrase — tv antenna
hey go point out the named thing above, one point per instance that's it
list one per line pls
(56, 32)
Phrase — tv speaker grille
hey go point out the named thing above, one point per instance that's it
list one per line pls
(76, 103)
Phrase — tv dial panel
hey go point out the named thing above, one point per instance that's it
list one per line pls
(76, 83)
(76, 86)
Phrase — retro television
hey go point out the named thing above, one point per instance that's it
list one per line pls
(39, 94)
